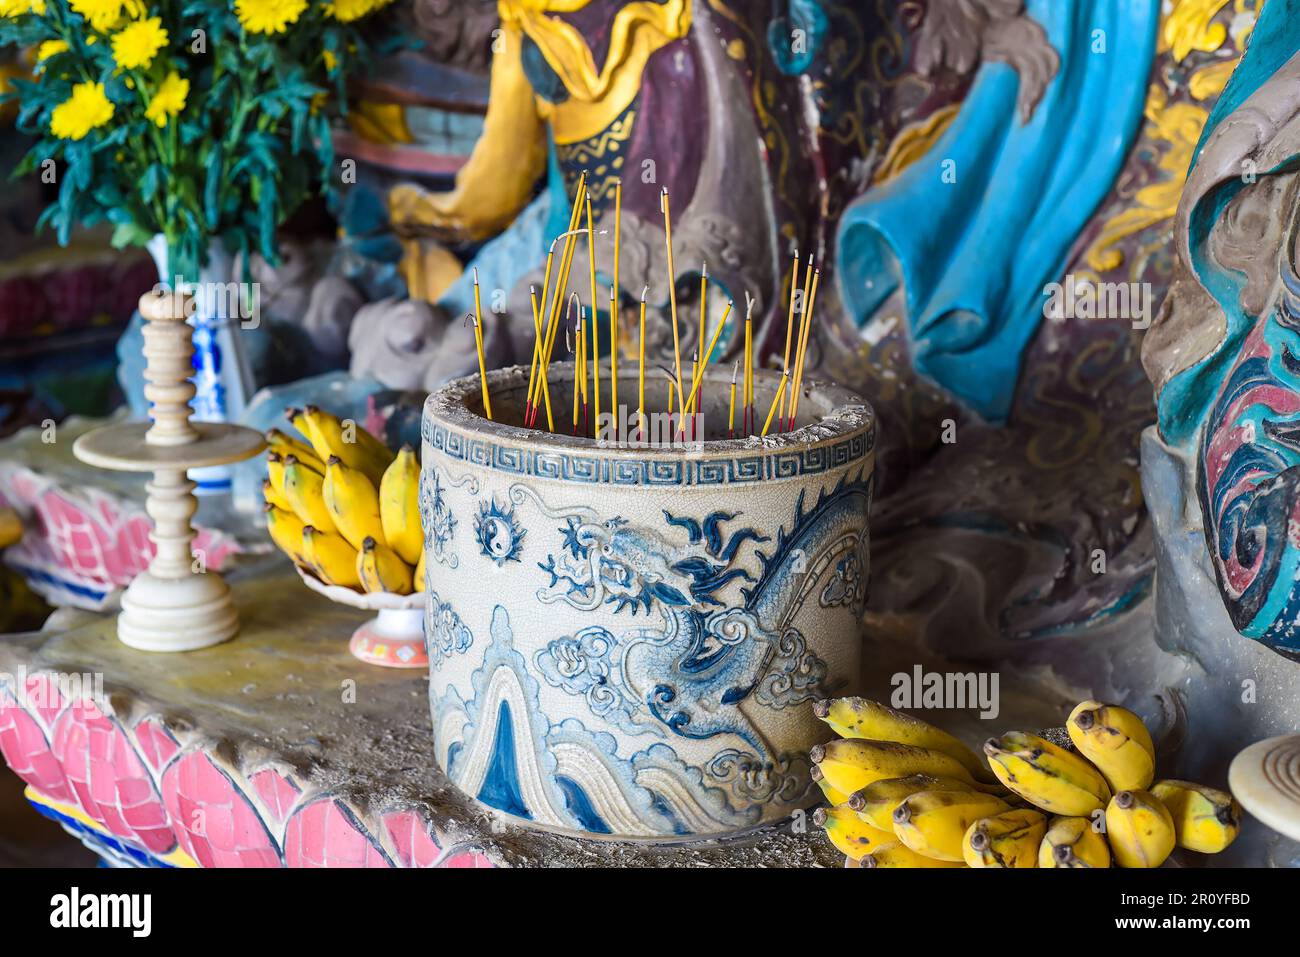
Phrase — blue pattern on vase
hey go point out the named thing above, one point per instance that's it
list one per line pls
(499, 536)
(501, 785)
(691, 654)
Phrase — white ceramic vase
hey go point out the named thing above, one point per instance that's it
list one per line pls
(626, 642)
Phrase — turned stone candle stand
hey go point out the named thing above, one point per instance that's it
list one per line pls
(173, 606)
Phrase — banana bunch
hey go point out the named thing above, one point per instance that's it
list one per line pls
(343, 506)
(904, 793)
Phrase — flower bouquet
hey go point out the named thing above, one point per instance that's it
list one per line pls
(197, 120)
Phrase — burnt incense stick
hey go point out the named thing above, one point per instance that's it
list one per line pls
(665, 206)
(797, 386)
(640, 408)
(704, 322)
(613, 351)
(731, 406)
(595, 314)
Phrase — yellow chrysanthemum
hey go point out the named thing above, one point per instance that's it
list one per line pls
(49, 48)
(169, 100)
(16, 8)
(104, 15)
(268, 16)
(347, 11)
(138, 43)
(86, 109)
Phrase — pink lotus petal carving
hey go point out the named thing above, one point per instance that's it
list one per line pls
(325, 833)
(44, 698)
(108, 779)
(156, 743)
(278, 793)
(215, 822)
(27, 750)
(413, 839)
(467, 858)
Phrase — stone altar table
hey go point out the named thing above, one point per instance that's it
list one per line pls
(275, 749)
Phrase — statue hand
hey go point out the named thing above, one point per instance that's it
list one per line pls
(411, 206)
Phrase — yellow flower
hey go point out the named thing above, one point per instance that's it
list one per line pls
(104, 15)
(85, 110)
(331, 61)
(268, 16)
(49, 48)
(138, 43)
(16, 8)
(169, 100)
(348, 10)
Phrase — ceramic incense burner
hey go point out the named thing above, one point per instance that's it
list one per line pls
(625, 642)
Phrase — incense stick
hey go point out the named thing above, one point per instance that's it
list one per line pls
(776, 401)
(562, 282)
(803, 352)
(529, 419)
(747, 412)
(789, 319)
(704, 364)
(614, 290)
(478, 345)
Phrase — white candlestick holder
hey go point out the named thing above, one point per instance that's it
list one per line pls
(177, 604)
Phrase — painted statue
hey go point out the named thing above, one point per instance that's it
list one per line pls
(1223, 354)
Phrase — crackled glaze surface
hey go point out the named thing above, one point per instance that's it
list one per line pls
(624, 642)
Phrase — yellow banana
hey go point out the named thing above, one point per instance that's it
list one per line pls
(1116, 741)
(876, 802)
(1205, 819)
(353, 444)
(275, 471)
(1139, 828)
(304, 490)
(1045, 775)
(852, 836)
(863, 718)
(399, 506)
(1073, 842)
(11, 527)
(850, 765)
(272, 497)
(353, 503)
(332, 559)
(899, 854)
(832, 795)
(285, 444)
(379, 569)
(934, 823)
(1009, 839)
(420, 584)
(286, 531)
